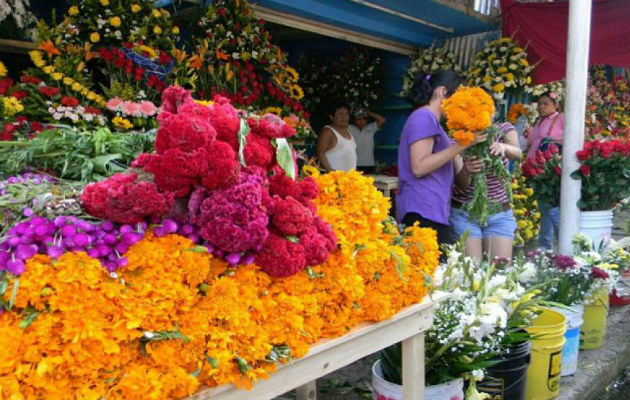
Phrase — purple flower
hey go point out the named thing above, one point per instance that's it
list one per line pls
(563, 262)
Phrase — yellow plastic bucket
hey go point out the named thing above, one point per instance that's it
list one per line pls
(543, 375)
(593, 332)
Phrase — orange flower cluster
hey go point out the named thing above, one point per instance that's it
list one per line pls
(468, 109)
(176, 317)
(517, 110)
(464, 138)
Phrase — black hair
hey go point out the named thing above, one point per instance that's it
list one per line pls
(336, 105)
(424, 84)
(552, 95)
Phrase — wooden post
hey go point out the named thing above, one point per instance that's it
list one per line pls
(307, 392)
(413, 367)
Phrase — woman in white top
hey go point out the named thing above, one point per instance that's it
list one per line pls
(336, 148)
(363, 133)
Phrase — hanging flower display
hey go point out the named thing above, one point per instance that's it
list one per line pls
(500, 67)
(557, 87)
(427, 61)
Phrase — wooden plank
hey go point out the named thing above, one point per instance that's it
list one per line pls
(330, 355)
(413, 367)
(16, 46)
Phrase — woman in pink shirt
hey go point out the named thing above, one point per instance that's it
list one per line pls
(550, 123)
(550, 126)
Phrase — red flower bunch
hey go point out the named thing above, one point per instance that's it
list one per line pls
(69, 101)
(19, 94)
(30, 79)
(49, 91)
(599, 273)
(605, 174)
(225, 119)
(183, 132)
(224, 168)
(543, 173)
(281, 257)
(125, 199)
(176, 170)
(173, 97)
(304, 190)
(5, 85)
(233, 219)
(290, 216)
(270, 126)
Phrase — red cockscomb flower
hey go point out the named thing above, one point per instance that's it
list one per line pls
(290, 217)
(173, 97)
(280, 257)
(223, 166)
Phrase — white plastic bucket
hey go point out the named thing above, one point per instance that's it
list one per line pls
(571, 347)
(384, 390)
(596, 225)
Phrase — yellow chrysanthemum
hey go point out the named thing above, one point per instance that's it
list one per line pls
(37, 58)
(3, 70)
(74, 10)
(156, 14)
(56, 76)
(523, 62)
(157, 30)
(68, 80)
(95, 37)
(122, 123)
(49, 69)
(76, 86)
(175, 30)
(498, 88)
(105, 3)
(135, 8)
(115, 21)
(11, 105)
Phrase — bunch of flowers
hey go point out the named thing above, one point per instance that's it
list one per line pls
(607, 107)
(24, 195)
(142, 113)
(557, 87)
(542, 173)
(75, 114)
(468, 110)
(601, 160)
(355, 76)
(172, 346)
(112, 22)
(501, 67)
(16, 19)
(519, 110)
(427, 61)
(526, 211)
(484, 316)
(235, 58)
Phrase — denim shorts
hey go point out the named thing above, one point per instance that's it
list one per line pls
(501, 224)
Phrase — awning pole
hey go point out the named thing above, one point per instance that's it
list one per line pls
(574, 112)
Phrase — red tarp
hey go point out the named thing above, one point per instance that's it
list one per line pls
(545, 25)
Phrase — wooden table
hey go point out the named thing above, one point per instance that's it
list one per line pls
(385, 183)
(327, 356)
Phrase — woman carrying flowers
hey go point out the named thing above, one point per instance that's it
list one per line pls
(548, 129)
(497, 236)
(425, 156)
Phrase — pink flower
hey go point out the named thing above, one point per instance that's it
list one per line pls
(131, 108)
(147, 108)
(114, 104)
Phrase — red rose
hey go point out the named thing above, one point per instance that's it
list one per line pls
(48, 91)
(585, 170)
(582, 155)
(557, 170)
(69, 101)
(36, 127)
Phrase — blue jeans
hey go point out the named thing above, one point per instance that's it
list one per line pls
(549, 223)
(501, 224)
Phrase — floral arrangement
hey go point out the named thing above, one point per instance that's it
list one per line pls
(485, 315)
(520, 110)
(501, 66)
(356, 76)
(235, 58)
(526, 211)
(360, 267)
(140, 113)
(468, 110)
(542, 173)
(599, 161)
(607, 106)
(557, 87)
(427, 61)
(16, 19)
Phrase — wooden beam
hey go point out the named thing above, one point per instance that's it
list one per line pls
(16, 46)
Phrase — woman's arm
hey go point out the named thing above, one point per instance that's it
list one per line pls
(510, 148)
(424, 161)
(325, 142)
(380, 120)
(464, 169)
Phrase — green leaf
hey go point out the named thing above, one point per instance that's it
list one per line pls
(293, 239)
(213, 361)
(16, 283)
(284, 156)
(197, 249)
(30, 318)
(102, 163)
(242, 141)
(4, 285)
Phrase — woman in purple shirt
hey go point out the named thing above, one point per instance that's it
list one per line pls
(425, 156)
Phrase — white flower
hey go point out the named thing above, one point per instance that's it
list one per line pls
(148, 334)
(478, 375)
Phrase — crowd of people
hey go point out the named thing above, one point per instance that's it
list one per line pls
(434, 172)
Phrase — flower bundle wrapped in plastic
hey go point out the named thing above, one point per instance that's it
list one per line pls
(468, 110)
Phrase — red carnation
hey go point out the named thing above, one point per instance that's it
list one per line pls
(557, 170)
(92, 110)
(585, 170)
(280, 257)
(30, 79)
(69, 101)
(599, 273)
(36, 127)
(184, 132)
(5, 85)
(176, 170)
(290, 217)
(48, 91)
(223, 166)
(123, 198)
(270, 126)
(19, 94)
(173, 97)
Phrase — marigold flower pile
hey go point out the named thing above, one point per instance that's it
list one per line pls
(177, 317)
